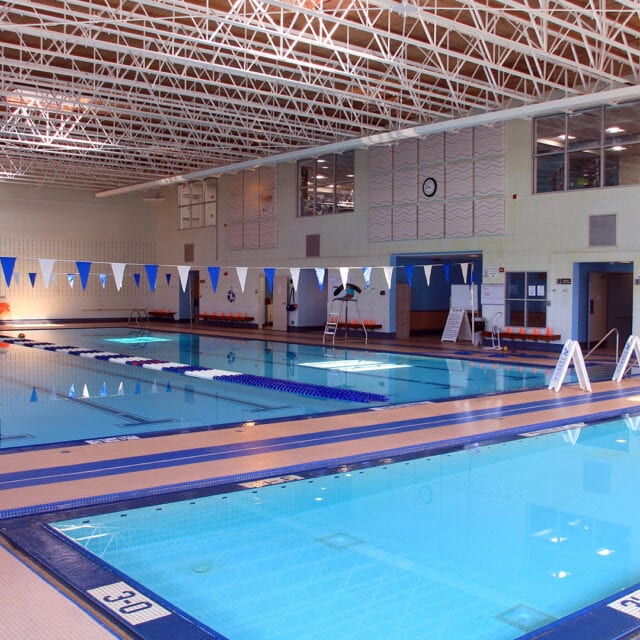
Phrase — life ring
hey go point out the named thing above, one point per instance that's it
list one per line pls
(231, 295)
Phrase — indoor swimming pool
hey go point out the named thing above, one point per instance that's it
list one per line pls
(490, 541)
(68, 385)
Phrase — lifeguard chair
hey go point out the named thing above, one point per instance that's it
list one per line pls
(343, 297)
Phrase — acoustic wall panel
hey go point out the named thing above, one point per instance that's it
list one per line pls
(235, 200)
(251, 195)
(381, 189)
(489, 176)
(405, 154)
(251, 234)
(405, 185)
(489, 140)
(268, 235)
(459, 219)
(431, 150)
(431, 220)
(404, 222)
(380, 158)
(380, 224)
(459, 180)
(488, 217)
(459, 144)
(235, 232)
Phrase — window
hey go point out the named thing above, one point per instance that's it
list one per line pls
(325, 185)
(197, 204)
(526, 299)
(587, 149)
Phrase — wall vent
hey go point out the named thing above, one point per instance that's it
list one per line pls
(189, 252)
(602, 230)
(313, 246)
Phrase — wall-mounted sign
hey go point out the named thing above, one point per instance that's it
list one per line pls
(563, 281)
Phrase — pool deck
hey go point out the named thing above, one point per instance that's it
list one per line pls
(39, 480)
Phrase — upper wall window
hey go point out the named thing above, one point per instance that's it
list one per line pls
(197, 204)
(585, 149)
(325, 185)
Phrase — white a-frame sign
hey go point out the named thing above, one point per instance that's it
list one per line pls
(570, 352)
(632, 347)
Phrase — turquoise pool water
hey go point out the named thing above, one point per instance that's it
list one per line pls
(487, 542)
(49, 397)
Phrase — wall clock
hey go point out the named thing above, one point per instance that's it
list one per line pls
(429, 187)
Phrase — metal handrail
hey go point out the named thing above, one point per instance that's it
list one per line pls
(614, 330)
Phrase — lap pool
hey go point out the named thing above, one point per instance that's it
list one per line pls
(74, 385)
(499, 541)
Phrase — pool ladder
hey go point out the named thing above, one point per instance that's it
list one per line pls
(138, 317)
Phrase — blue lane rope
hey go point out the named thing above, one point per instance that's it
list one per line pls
(261, 382)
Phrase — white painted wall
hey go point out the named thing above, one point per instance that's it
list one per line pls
(69, 225)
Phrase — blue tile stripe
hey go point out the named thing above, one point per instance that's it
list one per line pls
(105, 468)
(262, 382)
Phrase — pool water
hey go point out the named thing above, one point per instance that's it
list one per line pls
(51, 397)
(486, 542)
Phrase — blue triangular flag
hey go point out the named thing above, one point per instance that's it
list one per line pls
(72, 391)
(137, 390)
(446, 268)
(152, 274)
(103, 390)
(270, 272)
(34, 395)
(136, 277)
(409, 271)
(7, 267)
(32, 277)
(214, 272)
(83, 269)
(168, 277)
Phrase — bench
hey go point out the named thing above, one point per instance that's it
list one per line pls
(214, 318)
(533, 337)
(156, 314)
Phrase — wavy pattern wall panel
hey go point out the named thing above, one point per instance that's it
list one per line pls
(380, 224)
(459, 144)
(268, 233)
(268, 183)
(251, 237)
(405, 186)
(235, 201)
(431, 220)
(489, 177)
(459, 219)
(431, 150)
(489, 217)
(251, 194)
(380, 158)
(235, 235)
(404, 225)
(459, 180)
(405, 154)
(381, 189)
(489, 140)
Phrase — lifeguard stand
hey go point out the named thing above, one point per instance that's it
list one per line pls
(339, 308)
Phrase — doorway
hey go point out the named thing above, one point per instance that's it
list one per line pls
(604, 301)
(189, 301)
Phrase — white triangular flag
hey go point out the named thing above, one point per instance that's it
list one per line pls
(388, 274)
(295, 276)
(242, 276)
(183, 271)
(427, 273)
(118, 273)
(344, 276)
(46, 266)
(465, 270)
